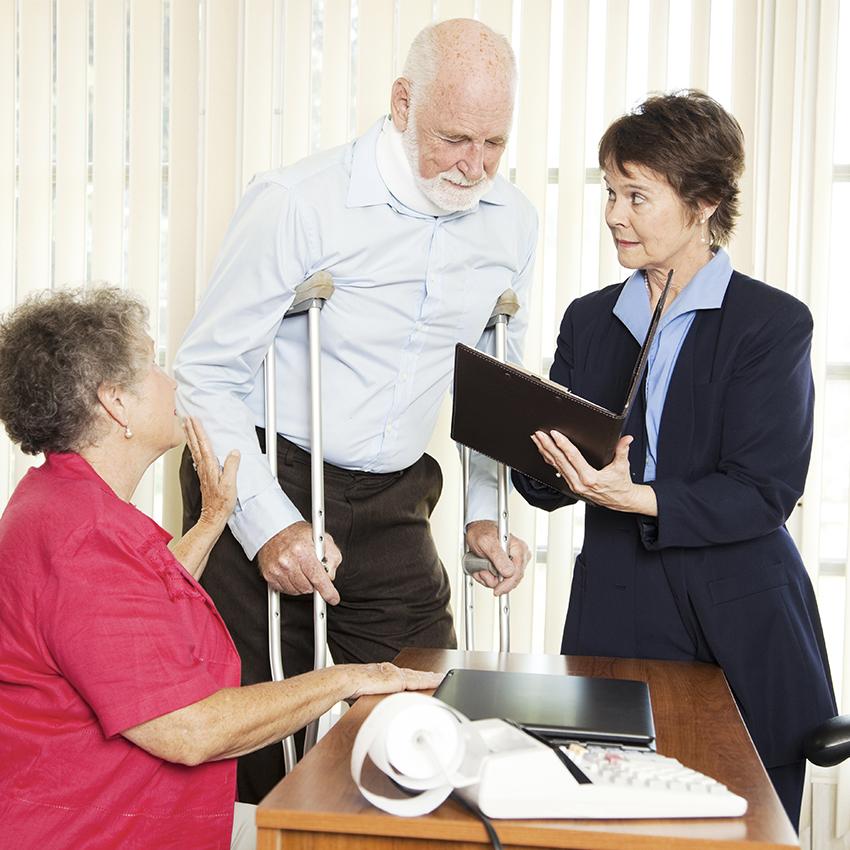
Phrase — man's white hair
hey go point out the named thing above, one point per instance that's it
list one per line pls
(423, 60)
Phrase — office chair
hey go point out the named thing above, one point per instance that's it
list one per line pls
(829, 743)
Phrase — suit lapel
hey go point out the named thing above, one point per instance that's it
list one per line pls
(693, 367)
(636, 427)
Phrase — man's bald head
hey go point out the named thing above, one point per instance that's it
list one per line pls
(454, 104)
(459, 50)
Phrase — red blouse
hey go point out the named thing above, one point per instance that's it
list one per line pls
(101, 629)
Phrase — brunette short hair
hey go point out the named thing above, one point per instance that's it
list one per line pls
(56, 349)
(689, 139)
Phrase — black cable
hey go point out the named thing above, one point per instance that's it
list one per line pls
(577, 773)
(488, 824)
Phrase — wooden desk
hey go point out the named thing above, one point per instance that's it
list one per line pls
(318, 806)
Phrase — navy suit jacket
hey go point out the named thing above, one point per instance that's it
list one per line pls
(717, 564)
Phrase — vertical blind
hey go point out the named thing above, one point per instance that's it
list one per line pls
(130, 128)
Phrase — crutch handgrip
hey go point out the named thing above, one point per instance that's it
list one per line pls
(475, 564)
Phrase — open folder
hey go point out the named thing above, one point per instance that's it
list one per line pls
(498, 406)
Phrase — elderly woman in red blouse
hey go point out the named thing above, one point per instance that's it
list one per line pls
(121, 713)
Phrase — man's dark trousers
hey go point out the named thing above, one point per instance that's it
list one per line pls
(394, 590)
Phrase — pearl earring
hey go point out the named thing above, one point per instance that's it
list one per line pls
(127, 432)
(703, 236)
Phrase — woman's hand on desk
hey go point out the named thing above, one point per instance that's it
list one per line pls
(386, 678)
(611, 487)
(235, 721)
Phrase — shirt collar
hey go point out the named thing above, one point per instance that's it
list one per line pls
(705, 291)
(367, 188)
(498, 194)
(73, 466)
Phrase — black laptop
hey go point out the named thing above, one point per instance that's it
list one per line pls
(556, 707)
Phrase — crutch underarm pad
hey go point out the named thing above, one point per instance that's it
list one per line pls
(318, 286)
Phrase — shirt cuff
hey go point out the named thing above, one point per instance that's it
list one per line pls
(259, 518)
(483, 496)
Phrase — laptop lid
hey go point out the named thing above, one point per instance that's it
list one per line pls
(557, 707)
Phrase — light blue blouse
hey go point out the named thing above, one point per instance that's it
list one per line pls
(705, 292)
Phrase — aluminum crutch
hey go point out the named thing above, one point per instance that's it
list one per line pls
(310, 297)
(506, 307)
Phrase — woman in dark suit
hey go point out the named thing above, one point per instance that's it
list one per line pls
(686, 555)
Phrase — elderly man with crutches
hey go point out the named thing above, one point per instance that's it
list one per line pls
(421, 237)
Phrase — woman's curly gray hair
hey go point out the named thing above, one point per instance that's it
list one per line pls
(56, 349)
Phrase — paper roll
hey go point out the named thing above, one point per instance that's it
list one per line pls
(420, 743)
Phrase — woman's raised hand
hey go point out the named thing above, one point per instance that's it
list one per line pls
(218, 483)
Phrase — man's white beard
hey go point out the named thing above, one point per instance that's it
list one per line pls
(449, 190)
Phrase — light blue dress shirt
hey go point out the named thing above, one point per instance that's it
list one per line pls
(705, 292)
(409, 286)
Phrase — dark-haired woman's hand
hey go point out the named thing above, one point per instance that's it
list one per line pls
(611, 487)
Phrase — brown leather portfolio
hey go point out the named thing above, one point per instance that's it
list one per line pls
(484, 388)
